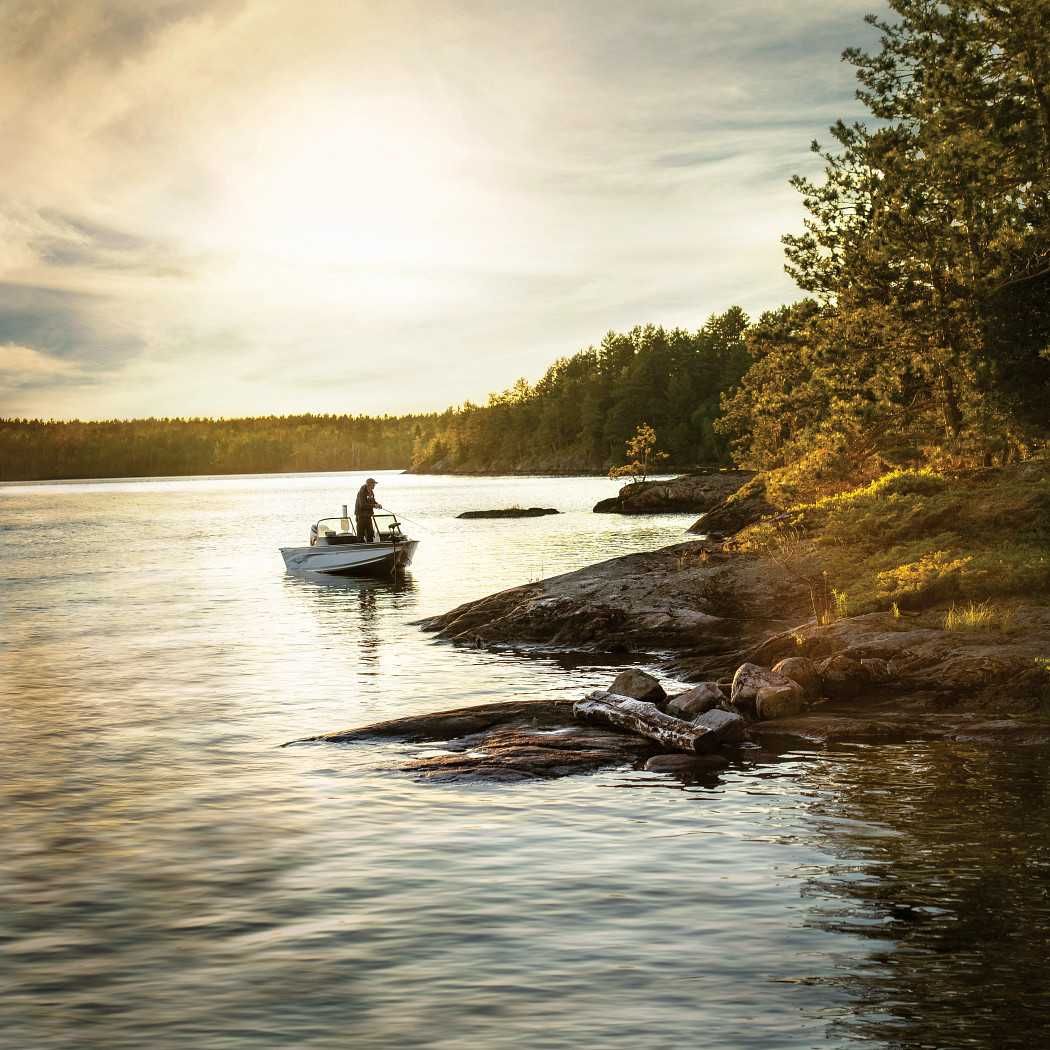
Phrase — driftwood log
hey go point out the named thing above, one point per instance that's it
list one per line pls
(645, 719)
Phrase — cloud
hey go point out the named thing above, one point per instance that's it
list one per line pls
(222, 206)
(23, 364)
(53, 338)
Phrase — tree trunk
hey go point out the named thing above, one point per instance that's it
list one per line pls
(950, 406)
(638, 716)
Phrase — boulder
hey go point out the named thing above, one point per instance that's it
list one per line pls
(695, 701)
(779, 701)
(638, 685)
(843, 676)
(691, 493)
(748, 680)
(728, 726)
(804, 671)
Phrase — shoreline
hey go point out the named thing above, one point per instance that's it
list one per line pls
(905, 663)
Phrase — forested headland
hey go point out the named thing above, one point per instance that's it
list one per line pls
(575, 419)
(922, 337)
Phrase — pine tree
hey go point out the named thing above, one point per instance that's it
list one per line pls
(936, 221)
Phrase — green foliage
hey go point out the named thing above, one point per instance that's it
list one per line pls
(918, 538)
(931, 578)
(587, 407)
(642, 456)
(927, 249)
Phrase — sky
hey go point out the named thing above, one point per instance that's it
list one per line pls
(242, 207)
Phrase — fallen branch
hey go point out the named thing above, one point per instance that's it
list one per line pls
(638, 716)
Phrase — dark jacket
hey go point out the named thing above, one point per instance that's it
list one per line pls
(365, 503)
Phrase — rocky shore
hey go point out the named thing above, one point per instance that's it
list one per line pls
(735, 620)
(691, 735)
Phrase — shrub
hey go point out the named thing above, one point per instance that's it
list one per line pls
(932, 578)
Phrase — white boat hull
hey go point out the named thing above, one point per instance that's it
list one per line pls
(351, 559)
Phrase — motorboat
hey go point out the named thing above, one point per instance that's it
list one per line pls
(336, 549)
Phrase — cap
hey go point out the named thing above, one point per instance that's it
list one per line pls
(370, 481)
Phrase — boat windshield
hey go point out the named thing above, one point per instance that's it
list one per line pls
(385, 521)
(340, 526)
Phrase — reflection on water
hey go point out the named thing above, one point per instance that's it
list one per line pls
(355, 609)
(173, 878)
(943, 865)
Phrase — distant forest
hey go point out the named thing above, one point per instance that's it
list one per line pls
(577, 418)
(35, 449)
(923, 336)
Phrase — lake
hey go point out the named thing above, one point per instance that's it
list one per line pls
(172, 877)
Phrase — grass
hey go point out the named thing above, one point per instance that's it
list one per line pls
(979, 616)
(919, 539)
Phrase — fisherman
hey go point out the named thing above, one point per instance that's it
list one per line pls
(363, 508)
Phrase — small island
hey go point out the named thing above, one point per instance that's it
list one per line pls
(509, 512)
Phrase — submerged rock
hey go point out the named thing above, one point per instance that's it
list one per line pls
(686, 767)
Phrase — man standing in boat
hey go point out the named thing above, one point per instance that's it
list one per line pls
(363, 508)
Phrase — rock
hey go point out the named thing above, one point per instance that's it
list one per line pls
(684, 597)
(509, 512)
(1005, 732)
(738, 509)
(843, 676)
(779, 701)
(459, 722)
(728, 726)
(515, 741)
(688, 767)
(878, 669)
(749, 679)
(827, 729)
(638, 685)
(695, 701)
(804, 671)
(690, 493)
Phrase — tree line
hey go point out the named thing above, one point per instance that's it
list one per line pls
(576, 418)
(923, 335)
(39, 449)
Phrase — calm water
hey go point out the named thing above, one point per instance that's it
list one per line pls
(172, 878)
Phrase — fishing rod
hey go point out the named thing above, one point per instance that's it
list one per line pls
(411, 521)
